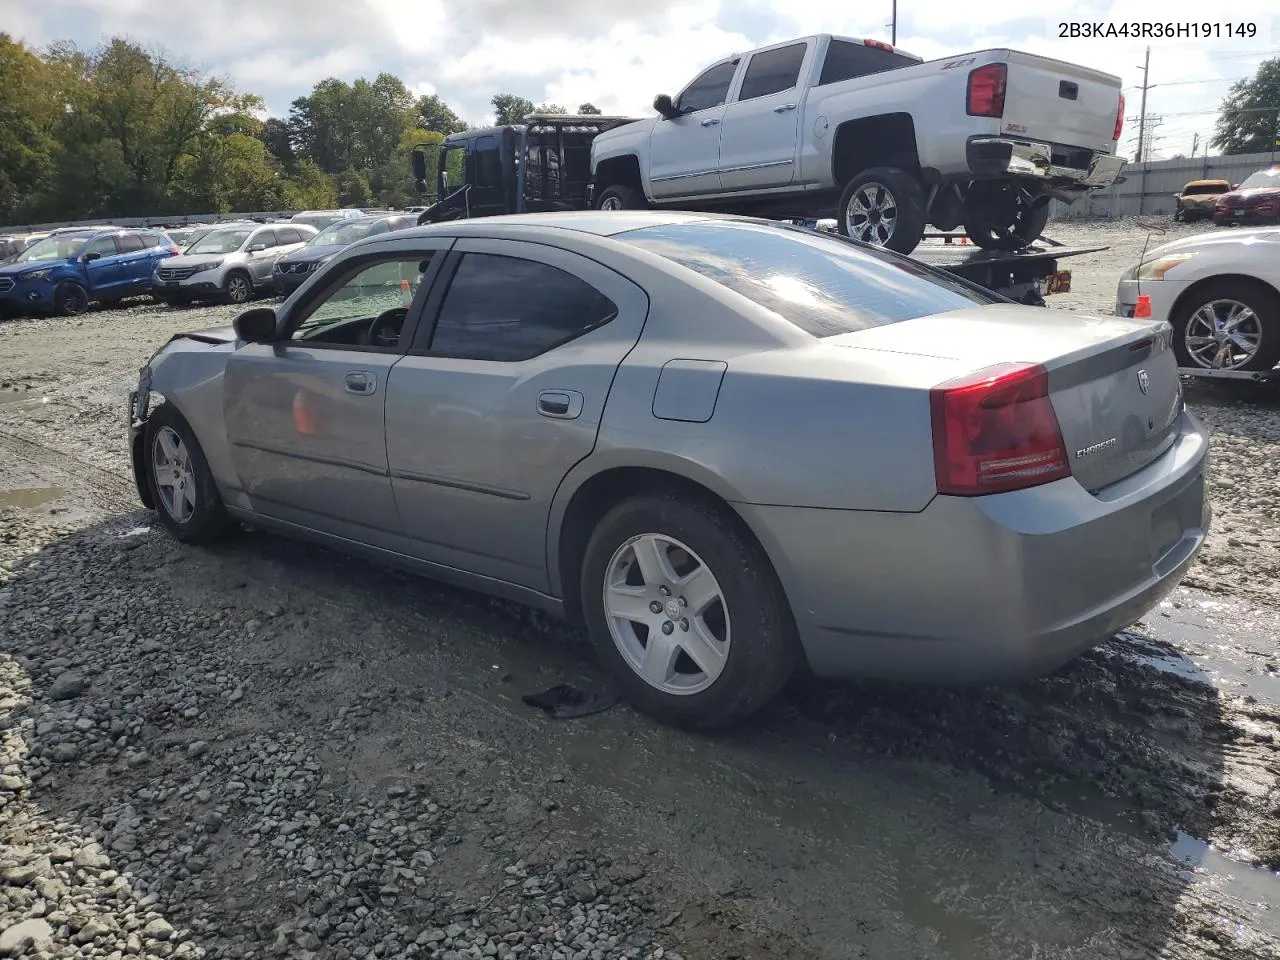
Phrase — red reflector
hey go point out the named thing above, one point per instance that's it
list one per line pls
(878, 44)
(1142, 309)
(1119, 119)
(986, 90)
(995, 431)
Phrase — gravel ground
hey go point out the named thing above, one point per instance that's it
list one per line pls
(261, 749)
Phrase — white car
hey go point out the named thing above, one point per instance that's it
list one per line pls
(1220, 292)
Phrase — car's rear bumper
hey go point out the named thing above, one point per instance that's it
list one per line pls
(989, 156)
(981, 589)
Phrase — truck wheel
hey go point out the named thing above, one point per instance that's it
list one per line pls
(883, 206)
(998, 217)
(621, 198)
(70, 299)
(1228, 325)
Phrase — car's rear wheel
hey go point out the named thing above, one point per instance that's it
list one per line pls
(1228, 325)
(685, 611)
(621, 198)
(70, 299)
(238, 288)
(883, 206)
(182, 486)
(999, 216)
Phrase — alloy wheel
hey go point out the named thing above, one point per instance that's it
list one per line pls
(667, 614)
(1223, 335)
(175, 480)
(871, 214)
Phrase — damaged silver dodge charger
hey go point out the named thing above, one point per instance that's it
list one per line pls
(731, 448)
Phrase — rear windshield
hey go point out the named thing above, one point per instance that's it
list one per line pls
(825, 285)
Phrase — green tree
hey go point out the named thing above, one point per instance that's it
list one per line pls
(1249, 119)
(310, 188)
(279, 142)
(352, 127)
(233, 172)
(508, 108)
(404, 192)
(30, 113)
(436, 115)
(550, 108)
(590, 108)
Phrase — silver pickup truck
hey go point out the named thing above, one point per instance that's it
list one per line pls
(882, 141)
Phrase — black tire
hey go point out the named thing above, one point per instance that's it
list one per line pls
(763, 649)
(208, 520)
(70, 299)
(902, 194)
(238, 287)
(997, 217)
(621, 198)
(1257, 296)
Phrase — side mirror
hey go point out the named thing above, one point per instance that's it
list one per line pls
(257, 325)
(91, 256)
(663, 104)
(419, 161)
(257, 247)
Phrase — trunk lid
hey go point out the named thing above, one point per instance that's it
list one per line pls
(1113, 382)
(1060, 103)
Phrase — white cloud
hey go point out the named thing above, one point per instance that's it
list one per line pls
(619, 53)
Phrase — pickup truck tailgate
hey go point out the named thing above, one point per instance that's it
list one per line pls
(1056, 102)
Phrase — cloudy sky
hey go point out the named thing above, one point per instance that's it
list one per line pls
(619, 53)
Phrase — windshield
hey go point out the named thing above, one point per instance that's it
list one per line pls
(220, 241)
(58, 247)
(825, 285)
(1197, 189)
(341, 234)
(1263, 178)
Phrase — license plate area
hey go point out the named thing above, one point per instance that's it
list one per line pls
(1237, 213)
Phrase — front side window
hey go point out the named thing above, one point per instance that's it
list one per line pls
(347, 314)
(264, 238)
(772, 71)
(102, 246)
(453, 168)
(488, 163)
(507, 308)
(824, 285)
(219, 241)
(709, 90)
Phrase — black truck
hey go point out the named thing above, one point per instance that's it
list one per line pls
(544, 164)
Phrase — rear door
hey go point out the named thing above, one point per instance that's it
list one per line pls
(758, 136)
(1061, 103)
(684, 152)
(500, 395)
(135, 261)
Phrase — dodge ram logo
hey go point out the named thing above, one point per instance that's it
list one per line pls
(1144, 381)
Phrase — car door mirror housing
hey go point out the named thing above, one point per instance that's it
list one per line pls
(664, 105)
(91, 256)
(257, 325)
(257, 247)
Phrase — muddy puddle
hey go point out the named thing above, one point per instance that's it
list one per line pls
(30, 498)
(1253, 885)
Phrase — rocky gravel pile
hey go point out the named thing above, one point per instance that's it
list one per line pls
(144, 815)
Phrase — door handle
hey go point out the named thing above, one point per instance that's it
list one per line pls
(560, 404)
(784, 107)
(360, 382)
(710, 121)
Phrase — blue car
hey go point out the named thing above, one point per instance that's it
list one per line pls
(67, 271)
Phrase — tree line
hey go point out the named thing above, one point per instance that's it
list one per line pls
(126, 131)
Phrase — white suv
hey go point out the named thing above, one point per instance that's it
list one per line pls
(231, 263)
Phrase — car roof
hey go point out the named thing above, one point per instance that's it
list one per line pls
(601, 223)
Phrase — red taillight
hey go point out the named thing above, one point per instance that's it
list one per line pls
(1119, 119)
(995, 431)
(986, 90)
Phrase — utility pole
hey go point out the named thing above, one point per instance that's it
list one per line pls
(894, 25)
(1142, 110)
(1195, 144)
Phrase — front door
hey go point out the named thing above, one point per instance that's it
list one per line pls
(304, 415)
(103, 269)
(684, 152)
(263, 253)
(500, 397)
(758, 142)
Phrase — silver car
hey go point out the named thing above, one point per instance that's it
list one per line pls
(730, 447)
(232, 263)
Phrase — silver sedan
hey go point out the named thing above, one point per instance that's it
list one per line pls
(731, 448)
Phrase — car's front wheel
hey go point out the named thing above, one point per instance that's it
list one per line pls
(884, 207)
(238, 288)
(685, 611)
(182, 486)
(1228, 325)
(70, 299)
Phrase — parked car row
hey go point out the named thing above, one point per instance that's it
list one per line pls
(1255, 201)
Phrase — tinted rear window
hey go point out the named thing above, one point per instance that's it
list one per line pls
(847, 60)
(824, 285)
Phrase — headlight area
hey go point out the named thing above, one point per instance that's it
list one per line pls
(1157, 268)
(202, 267)
(37, 274)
